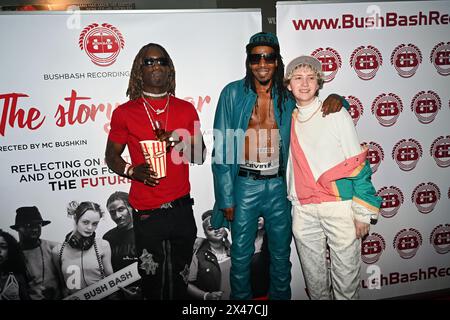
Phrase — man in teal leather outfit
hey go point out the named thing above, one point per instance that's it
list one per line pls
(251, 143)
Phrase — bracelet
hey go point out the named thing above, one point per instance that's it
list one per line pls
(130, 172)
(125, 170)
(204, 296)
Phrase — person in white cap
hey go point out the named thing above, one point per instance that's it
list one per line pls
(329, 185)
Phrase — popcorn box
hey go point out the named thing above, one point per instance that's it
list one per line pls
(155, 155)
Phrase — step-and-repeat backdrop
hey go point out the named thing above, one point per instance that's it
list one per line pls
(391, 60)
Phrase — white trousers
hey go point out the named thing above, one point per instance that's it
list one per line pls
(316, 225)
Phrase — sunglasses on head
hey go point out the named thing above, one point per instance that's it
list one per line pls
(255, 58)
(153, 61)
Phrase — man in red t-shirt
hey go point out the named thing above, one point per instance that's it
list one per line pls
(164, 224)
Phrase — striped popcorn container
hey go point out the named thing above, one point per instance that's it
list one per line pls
(155, 155)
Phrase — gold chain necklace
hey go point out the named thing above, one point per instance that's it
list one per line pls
(310, 117)
(155, 124)
(157, 111)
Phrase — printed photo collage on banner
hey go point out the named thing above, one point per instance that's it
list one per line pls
(378, 56)
(55, 123)
(389, 60)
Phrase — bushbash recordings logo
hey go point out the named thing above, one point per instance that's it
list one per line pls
(372, 248)
(356, 108)
(375, 155)
(392, 200)
(407, 242)
(440, 151)
(101, 43)
(440, 238)
(366, 61)
(407, 154)
(387, 108)
(331, 62)
(425, 196)
(425, 106)
(406, 59)
(440, 58)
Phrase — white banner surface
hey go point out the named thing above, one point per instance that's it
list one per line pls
(58, 91)
(391, 60)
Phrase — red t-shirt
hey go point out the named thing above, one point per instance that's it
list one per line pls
(130, 124)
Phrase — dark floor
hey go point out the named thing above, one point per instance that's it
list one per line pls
(432, 295)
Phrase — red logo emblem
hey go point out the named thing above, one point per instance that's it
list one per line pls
(407, 242)
(407, 154)
(387, 108)
(331, 62)
(425, 197)
(366, 61)
(440, 58)
(375, 155)
(356, 108)
(392, 200)
(440, 151)
(425, 106)
(440, 238)
(406, 59)
(372, 247)
(101, 43)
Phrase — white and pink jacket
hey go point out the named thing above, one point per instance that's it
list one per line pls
(326, 163)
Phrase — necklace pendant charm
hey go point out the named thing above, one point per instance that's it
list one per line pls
(159, 111)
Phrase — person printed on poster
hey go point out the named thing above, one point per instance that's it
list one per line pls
(121, 239)
(45, 282)
(210, 266)
(83, 259)
(13, 274)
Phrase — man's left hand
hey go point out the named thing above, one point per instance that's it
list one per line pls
(170, 137)
(332, 104)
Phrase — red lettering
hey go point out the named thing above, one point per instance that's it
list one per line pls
(406, 59)
(407, 154)
(426, 197)
(81, 113)
(442, 151)
(366, 62)
(442, 238)
(354, 112)
(102, 44)
(12, 115)
(442, 58)
(373, 157)
(328, 64)
(391, 19)
(390, 201)
(387, 108)
(426, 106)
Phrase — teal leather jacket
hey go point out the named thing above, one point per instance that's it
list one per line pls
(233, 112)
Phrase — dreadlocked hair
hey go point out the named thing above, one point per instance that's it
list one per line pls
(136, 84)
(277, 80)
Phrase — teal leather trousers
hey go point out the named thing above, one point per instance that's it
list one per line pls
(266, 198)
